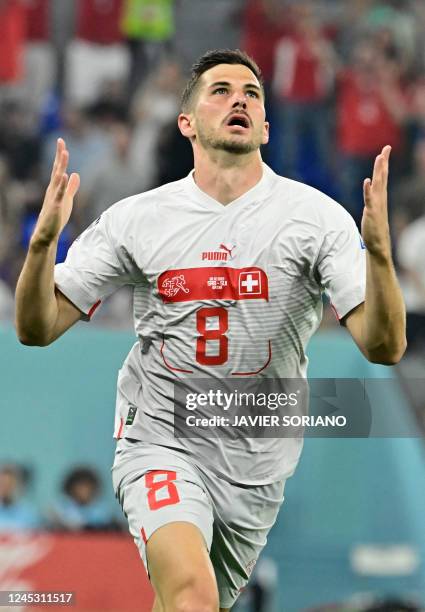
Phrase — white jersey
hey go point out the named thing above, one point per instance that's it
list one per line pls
(219, 291)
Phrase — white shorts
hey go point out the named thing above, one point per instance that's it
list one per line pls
(156, 485)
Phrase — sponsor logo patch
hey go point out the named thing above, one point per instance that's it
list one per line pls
(130, 415)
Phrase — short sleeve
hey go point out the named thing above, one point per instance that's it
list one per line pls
(94, 268)
(341, 264)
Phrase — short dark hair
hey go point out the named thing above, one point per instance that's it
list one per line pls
(80, 474)
(211, 59)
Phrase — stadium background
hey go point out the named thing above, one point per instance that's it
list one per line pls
(343, 78)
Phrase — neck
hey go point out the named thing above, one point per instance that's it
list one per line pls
(226, 176)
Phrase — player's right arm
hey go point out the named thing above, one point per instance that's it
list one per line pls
(42, 312)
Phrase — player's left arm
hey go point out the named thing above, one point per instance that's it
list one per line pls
(378, 326)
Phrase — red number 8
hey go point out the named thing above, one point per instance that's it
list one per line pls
(154, 486)
(212, 334)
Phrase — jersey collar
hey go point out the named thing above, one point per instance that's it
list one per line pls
(253, 195)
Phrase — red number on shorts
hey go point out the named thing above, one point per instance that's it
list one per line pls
(155, 485)
(212, 334)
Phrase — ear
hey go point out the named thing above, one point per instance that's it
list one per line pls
(184, 122)
(266, 128)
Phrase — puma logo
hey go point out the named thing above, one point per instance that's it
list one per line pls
(219, 255)
(229, 251)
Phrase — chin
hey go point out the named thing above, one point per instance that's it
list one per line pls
(237, 146)
(241, 148)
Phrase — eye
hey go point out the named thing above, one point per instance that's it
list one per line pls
(220, 90)
(253, 93)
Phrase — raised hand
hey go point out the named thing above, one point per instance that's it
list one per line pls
(375, 228)
(58, 201)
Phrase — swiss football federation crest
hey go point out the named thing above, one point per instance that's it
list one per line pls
(171, 286)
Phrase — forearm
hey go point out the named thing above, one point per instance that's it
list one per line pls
(36, 305)
(42, 315)
(384, 331)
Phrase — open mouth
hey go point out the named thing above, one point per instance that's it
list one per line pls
(238, 121)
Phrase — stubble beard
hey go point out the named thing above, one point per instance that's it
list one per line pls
(208, 140)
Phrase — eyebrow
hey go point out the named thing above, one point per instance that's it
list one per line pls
(227, 84)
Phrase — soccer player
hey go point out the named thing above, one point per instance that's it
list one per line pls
(228, 266)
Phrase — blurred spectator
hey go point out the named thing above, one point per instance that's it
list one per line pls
(40, 60)
(148, 26)
(98, 21)
(264, 24)
(113, 178)
(19, 140)
(85, 141)
(196, 34)
(38, 19)
(417, 101)
(175, 155)
(391, 23)
(80, 508)
(88, 66)
(7, 302)
(15, 513)
(110, 106)
(408, 195)
(411, 259)
(98, 53)
(303, 80)
(12, 39)
(12, 202)
(394, 27)
(371, 110)
(155, 106)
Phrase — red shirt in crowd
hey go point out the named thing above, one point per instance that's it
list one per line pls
(302, 71)
(260, 34)
(37, 19)
(12, 39)
(364, 121)
(98, 21)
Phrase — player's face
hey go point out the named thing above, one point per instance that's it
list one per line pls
(229, 110)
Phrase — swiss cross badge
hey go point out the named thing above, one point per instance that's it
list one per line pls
(250, 283)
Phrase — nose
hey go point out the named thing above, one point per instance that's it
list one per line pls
(240, 100)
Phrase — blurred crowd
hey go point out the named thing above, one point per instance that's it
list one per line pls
(79, 505)
(343, 78)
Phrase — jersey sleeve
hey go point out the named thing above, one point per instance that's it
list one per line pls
(341, 264)
(94, 268)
